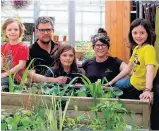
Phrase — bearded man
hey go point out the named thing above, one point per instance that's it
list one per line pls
(42, 51)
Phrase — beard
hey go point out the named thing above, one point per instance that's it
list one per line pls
(46, 42)
(45, 39)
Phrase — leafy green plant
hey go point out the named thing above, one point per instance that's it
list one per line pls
(111, 92)
(87, 90)
(54, 114)
(3, 37)
(22, 120)
(12, 85)
(83, 46)
(75, 123)
(82, 92)
(111, 119)
(88, 55)
(97, 90)
(25, 82)
(80, 44)
(25, 75)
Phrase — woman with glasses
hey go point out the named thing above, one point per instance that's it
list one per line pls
(103, 65)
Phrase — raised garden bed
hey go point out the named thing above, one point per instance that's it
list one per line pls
(141, 108)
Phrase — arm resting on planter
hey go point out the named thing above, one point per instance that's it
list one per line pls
(15, 69)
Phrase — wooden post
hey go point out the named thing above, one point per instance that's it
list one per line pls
(146, 116)
(117, 21)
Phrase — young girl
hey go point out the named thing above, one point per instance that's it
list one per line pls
(65, 68)
(14, 53)
(143, 61)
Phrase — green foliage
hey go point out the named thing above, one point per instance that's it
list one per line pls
(54, 113)
(12, 86)
(87, 90)
(3, 37)
(25, 75)
(112, 92)
(97, 91)
(22, 120)
(80, 44)
(88, 55)
(74, 123)
(111, 119)
(82, 92)
(51, 115)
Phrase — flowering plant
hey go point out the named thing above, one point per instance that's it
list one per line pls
(20, 4)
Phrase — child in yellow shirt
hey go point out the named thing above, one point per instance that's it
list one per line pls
(143, 61)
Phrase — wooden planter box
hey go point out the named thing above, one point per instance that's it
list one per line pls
(141, 108)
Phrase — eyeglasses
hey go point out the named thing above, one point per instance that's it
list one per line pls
(102, 46)
(45, 30)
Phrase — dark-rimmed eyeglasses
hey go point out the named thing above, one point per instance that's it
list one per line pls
(102, 46)
(45, 30)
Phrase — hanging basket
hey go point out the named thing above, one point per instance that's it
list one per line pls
(3, 3)
(20, 4)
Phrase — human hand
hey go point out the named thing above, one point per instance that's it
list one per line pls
(146, 95)
(32, 72)
(108, 84)
(78, 84)
(61, 79)
(4, 74)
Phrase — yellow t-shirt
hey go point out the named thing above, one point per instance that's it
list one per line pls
(142, 56)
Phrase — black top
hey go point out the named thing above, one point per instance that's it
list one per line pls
(42, 58)
(57, 72)
(97, 70)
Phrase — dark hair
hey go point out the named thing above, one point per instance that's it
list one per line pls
(44, 20)
(62, 48)
(101, 36)
(151, 38)
(102, 30)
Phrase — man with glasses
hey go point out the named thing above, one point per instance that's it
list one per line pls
(43, 51)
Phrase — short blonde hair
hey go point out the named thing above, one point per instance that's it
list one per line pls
(12, 20)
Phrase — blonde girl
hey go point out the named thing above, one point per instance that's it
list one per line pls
(14, 53)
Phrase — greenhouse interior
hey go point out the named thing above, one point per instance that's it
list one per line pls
(79, 65)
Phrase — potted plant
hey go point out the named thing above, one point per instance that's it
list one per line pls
(55, 37)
